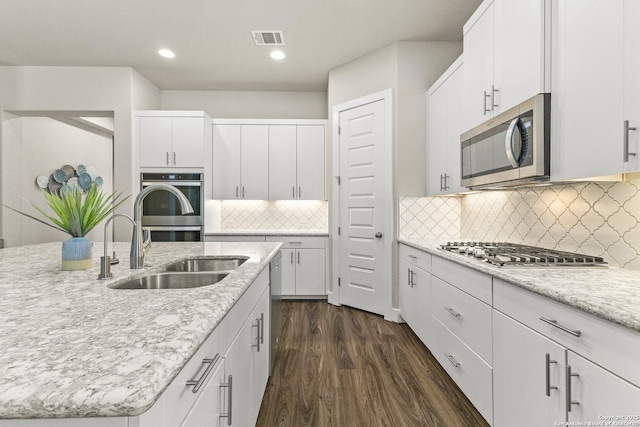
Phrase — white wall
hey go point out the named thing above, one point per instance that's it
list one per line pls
(408, 68)
(39, 146)
(85, 89)
(249, 104)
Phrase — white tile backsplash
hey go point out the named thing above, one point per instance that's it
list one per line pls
(274, 215)
(595, 218)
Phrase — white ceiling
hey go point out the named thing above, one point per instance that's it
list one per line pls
(212, 39)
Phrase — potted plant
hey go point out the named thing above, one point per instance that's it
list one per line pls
(77, 213)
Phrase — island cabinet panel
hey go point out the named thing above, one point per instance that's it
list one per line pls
(208, 407)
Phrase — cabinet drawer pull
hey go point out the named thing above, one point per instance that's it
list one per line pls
(174, 158)
(452, 312)
(257, 326)
(568, 376)
(295, 243)
(412, 256)
(547, 370)
(243, 191)
(626, 153)
(486, 110)
(198, 383)
(261, 328)
(299, 192)
(167, 158)
(229, 387)
(293, 191)
(555, 323)
(237, 192)
(453, 361)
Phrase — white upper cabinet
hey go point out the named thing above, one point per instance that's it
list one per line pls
(240, 166)
(595, 89)
(296, 162)
(506, 57)
(310, 160)
(444, 103)
(175, 139)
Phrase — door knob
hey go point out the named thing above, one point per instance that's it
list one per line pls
(378, 235)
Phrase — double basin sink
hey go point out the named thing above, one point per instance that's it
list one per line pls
(186, 273)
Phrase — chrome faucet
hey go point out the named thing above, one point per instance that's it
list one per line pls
(139, 244)
(105, 261)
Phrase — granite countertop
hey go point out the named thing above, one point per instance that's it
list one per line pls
(609, 293)
(319, 233)
(73, 347)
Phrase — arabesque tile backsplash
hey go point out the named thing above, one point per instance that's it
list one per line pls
(274, 215)
(595, 218)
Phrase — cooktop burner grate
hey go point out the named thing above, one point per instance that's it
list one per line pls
(504, 253)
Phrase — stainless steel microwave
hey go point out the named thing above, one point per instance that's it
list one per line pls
(510, 149)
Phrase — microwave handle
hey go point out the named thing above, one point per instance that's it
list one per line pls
(508, 142)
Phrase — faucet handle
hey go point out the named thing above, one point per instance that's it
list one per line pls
(105, 267)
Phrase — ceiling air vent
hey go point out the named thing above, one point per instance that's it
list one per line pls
(268, 37)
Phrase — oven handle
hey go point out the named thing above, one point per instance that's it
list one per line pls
(171, 228)
(174, 183)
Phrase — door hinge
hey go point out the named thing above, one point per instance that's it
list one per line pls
(339, 282)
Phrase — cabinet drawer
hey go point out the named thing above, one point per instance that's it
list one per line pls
(179, 398)
(609, 345)
(468, 370)
(415, 257)
(467, 317)
(295, 242)
(471, 281)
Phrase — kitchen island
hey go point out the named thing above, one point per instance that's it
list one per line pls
(74, 347)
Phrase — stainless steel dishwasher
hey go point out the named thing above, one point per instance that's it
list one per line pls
(275, 276)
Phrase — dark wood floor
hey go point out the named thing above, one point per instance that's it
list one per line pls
(339, 366)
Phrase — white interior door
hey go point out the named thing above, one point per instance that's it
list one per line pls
(363, 259)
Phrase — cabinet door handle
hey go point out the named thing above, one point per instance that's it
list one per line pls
(547, 371)
(568, 376)
(167, 158)
(625, 134)
(441, 186)
(484, 104)
(174, 158)
(453, 361)
(257, 326)
(298, 257)
(236, 191)
(229, 387)
(493, 97)
(293, 191)
(299, 192)
(452, 312)
(291, 257)
(198, 383)
(554, 323)
(261, 328)
(243, 191)
(445, 187)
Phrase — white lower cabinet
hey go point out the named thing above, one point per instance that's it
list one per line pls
(528, 371)
(596, 393)
(303, 266)
(206, 410)
(415, 292)
(580, 381)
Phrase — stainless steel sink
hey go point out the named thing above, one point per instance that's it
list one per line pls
(172, 280)
(207, 264)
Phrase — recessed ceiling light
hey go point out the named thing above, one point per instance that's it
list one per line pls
(277, 54)
(166, 53)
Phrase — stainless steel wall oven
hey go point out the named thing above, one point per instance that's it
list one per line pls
(161, 210)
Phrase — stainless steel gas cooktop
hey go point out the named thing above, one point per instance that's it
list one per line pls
(503, 254)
